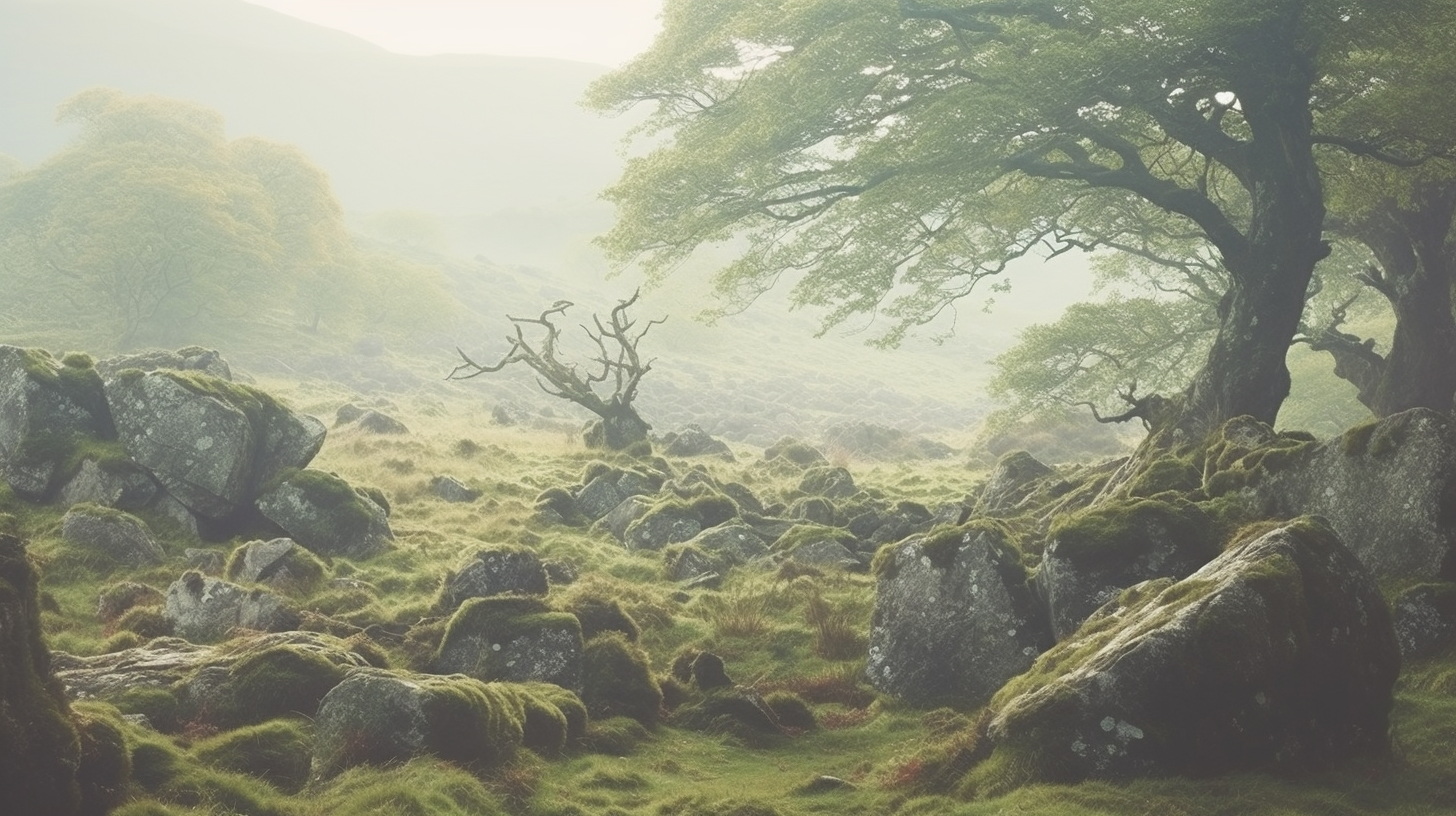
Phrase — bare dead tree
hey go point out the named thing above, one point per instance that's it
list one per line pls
(617, 364)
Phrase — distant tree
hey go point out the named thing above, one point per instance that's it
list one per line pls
(618, 365)
(890, 155)
(9, 166)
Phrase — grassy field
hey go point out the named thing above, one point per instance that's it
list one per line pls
(777, 631)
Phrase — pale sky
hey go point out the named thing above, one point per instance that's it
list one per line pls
(602, 31)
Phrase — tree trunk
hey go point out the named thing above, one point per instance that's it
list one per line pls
(1245, 371)
(619, 427)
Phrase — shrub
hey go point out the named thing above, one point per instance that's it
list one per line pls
(837, 633)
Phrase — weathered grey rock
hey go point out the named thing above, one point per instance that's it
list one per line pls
(734, 543)
(625, 514)
(1425, 620)
(381, 717)
(686, 562)
(825, 553)
(195, 670)
(1012, 480)
(378, 422)
(46, 408)
(210, 562)
(599, 497)
(496, 571)
(190, 358)
(208, 441)
(694, 441)
(1095, 554)
(115, 600)
(815, 509)
(829, 482)
(348, 412)
(167, 506)
(662, 525)
(513, 639)
(632, 483)
(123, 485)
(1387, 489)
(324, 514)
(1279, 653)
(268, 562)
(954, 618)
(206, 609)
(453, 490)
(112, 534)
(792, 450)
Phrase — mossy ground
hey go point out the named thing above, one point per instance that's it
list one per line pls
(759, 622)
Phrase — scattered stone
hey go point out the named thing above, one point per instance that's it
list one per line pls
(326, 515)
(814, 509)
(1014, 478)
(685, 562)
(667, 523)
(599, 497)
(792, 450)
(560, 573)
(829, 482)
(826, 784)
(954, 618)
(625, 515)
(112, 534)
(278, 562)
(735, 543)
(451, 489)
(1278, 654)
(206, 610)
(694, 441)
(191, 358)
(514, 639)
(496, 571)
(826, 554)
(348, 412)
(378, 422)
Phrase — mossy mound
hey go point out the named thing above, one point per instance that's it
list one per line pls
(599, 614)
(277, 752)
(105, 767)
(512, 638)
(39, 746)
(617, 680)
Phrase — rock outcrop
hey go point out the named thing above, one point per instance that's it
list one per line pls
(204, 609)
(514, 639)
(48, 408)
(326, 515)
(954, 617)
(118, 537)
(1278, 654)
(495, 571)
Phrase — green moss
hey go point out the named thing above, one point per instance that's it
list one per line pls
(1119, 530)
(276, 752)
(599, 614)
(304, 571)
(261, 408)
(276, 682)
(808, 532)
(713, 509)
(506, 617)
(790, 710)
(105, 766)
(478, 725)
(333, 495)
(942, 544)
(158, 705)
(617, 680)
(1169, 473)
(1356, 440)
(39, 746)
(614, 736)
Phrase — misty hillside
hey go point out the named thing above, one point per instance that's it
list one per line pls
(394, 131)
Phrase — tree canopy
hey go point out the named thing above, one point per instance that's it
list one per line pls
(887, 156)
(153, 227)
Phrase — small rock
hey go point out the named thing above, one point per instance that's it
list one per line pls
(452, 490)
(121, 537)
(377, 422)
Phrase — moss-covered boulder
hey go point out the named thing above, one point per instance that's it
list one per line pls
(1095, 554)
(326, 515)
(49, 411)
(1388, 488)
(39, 747)
(691, 441)
(279, 563)
(212, 443)
(1014, 477)
(828, 481)
(599, 496)
(498, 570)
(734, 543)
(955, 617)
(516, 639)
(668, 522)
(115, 537)
(1278, 654)
(205, 610)
(377, 717)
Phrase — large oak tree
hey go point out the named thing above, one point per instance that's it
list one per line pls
(889, 155)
